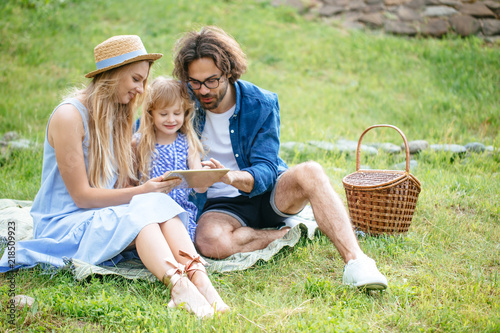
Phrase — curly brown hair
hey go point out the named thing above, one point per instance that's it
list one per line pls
(210, 42)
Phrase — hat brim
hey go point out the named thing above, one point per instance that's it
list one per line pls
(149, 56)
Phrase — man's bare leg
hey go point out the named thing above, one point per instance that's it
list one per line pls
(219, 235)
(307, 182)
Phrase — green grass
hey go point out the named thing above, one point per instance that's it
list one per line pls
(332, 83)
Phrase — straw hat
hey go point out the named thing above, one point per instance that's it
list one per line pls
(118, 51)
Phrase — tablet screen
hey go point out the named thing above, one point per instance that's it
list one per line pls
(196, 177)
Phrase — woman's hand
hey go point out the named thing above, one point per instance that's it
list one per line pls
(158, 185)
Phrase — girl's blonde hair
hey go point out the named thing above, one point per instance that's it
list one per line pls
(110, 129)
(163, 92)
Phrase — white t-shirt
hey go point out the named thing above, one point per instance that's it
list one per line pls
(217, 138)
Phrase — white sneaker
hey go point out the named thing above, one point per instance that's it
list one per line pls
(363, 273)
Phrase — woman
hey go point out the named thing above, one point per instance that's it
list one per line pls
(87, 208)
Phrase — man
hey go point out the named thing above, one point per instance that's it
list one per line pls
(239, 123)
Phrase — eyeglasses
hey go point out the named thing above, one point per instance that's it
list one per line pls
(210, 83)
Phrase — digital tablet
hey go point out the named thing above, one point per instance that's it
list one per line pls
(197, 177)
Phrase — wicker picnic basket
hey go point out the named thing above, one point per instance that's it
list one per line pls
(381, 202)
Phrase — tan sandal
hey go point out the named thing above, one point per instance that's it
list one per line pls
(196, 264)
(173, 275)
(171, 278)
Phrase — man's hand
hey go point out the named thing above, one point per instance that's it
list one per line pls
(242, 180)
(212, 164)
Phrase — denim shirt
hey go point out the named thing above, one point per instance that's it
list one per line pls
(254, 131)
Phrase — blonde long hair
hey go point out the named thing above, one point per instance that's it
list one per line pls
(110, 129)
(163, 92)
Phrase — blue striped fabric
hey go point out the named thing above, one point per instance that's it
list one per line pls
(174, 157)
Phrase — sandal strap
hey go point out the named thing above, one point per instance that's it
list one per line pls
(173, 275)
(194, 265)
(194, 259)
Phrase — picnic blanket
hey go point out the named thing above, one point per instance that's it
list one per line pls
(17, 211)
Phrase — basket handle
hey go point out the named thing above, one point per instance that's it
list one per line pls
(407, 149)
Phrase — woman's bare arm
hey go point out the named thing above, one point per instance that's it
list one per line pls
(66, 134)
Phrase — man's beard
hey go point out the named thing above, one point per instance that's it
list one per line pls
(217, 99)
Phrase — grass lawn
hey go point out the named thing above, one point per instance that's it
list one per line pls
(332, 84)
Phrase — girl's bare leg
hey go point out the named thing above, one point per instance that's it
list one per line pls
(154, 252)
(178, 239)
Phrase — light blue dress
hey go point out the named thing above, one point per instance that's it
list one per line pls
(61, 230)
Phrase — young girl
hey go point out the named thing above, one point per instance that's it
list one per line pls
(166, 139)
(86, 208)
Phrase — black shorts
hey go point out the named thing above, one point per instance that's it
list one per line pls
(258, 212)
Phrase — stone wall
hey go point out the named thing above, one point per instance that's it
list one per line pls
(429, 18)
(309, 150)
